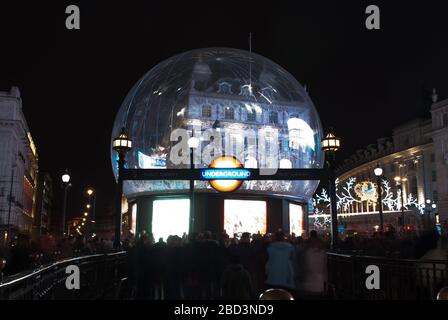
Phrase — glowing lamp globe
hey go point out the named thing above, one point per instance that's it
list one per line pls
(245, 98)
(66, 177)
(193, 143)
(378, 172)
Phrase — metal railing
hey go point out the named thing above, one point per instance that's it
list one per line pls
(400, 279)
(100, 275)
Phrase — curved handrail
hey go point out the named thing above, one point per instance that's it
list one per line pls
(388, 259)
(28, 274)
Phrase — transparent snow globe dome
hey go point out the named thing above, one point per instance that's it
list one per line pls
(240, 103)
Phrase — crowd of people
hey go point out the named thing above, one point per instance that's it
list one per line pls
(27, 252)
(211, 266)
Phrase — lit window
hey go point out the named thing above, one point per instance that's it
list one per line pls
(206, 111)
(229, 113)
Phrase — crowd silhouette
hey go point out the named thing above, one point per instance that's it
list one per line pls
(217, 266)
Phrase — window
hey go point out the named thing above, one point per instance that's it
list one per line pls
(273, 117)
(206, 111)
(435, 196)
(433, 157)
(251, 116)
(229, 113)
(434, 176)
(445, 120)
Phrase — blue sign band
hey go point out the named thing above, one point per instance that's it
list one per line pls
(225, 174)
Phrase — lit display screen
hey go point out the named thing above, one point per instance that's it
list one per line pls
(134, 219)
(244, 216)
(170, 217)
(296, 219)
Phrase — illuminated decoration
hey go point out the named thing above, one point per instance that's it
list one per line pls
(226, 169)
(170, 217)
(351, 195)
(366, 191)
(244, 216)
(296, 219)
(173, 96)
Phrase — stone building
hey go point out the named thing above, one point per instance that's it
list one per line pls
(18, 167)
(414, 162)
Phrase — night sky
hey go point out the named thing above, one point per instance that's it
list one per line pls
(362, 82)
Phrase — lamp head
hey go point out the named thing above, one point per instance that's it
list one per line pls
(122, 144)
(378, 171)
(330, 143)
(66, 177)
(193, 143)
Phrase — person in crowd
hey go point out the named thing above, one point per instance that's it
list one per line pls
(281, 264)
(315, 266)
(236, 283)
(21, 255)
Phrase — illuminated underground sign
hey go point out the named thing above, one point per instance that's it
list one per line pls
(226, 174)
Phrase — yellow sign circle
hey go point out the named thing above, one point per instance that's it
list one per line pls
(227, 162)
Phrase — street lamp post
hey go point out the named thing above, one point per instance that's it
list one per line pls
(121, 144)
(66, 185)
(193, 143)
(430, 208)
(330, 144)
(378, 173)
(399, 181)
(91, 206)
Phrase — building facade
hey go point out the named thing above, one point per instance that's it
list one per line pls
(414, 182)
(18, 167)
(44, 203)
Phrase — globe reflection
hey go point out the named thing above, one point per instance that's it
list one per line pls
(241, 103)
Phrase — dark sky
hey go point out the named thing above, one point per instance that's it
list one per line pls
(362, 82)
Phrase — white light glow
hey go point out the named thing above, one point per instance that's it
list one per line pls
(244, 216)
(285, 164)
(134, 219)
(193, 143)
(300, 134)
(225, 163)
(66, 178)
(170, 217)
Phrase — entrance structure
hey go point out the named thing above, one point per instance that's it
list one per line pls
(233, 103)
